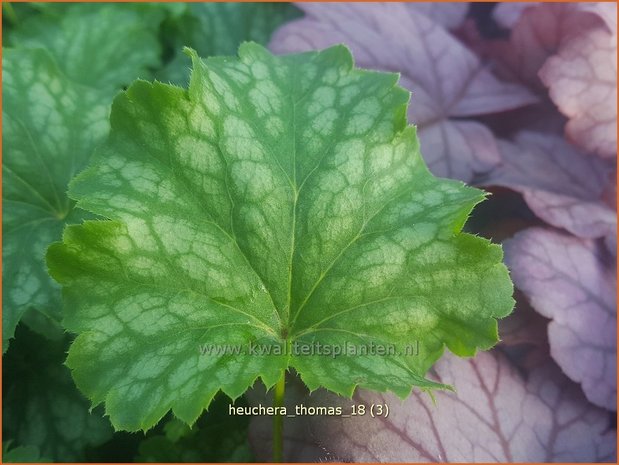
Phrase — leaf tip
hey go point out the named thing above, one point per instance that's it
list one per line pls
(191, 53)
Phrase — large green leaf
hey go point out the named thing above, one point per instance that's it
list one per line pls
(102, 45)
(58, 83)
(50, 126)
(281, 201)
(41, 405)
(219, 28)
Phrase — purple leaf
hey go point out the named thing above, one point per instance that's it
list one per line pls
(507, 14)
(543, 161)
(538, 32)
(448, 15)
(570, 281)
(583, 218)
(458, 149)
(494, 416)
(562, 186)
(582, 80)
(607, 11)
(446, 79)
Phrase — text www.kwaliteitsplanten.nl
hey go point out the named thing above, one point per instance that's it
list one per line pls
(315, 348)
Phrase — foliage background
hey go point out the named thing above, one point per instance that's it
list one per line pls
(517, 99)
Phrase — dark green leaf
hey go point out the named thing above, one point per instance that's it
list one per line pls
(104, 46)
(41, 405)
(216, 437)
(219, 29)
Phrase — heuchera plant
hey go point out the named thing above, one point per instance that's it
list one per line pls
(277, 201)
(273, 201)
